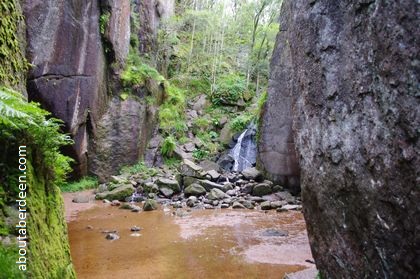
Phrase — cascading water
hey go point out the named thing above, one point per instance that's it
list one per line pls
(245, 151)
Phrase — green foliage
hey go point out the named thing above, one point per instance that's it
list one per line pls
(229, 89)
(139, 168)
(137, 73)
(171, 113)
(85, 183)
(172, 163)
(8, 266)
(261, 102)
(200, 154)
(17, 115)
(168, 147)
(240, 122)
(103, 22)
(13, 64)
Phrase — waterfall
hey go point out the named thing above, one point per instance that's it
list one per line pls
(245, 151)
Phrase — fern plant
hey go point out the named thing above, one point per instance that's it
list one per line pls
(168, 146)
(38, 129)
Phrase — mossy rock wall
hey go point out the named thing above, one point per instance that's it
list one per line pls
(49, 251)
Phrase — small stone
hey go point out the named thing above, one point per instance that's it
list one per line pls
(168, 183)
(81, 199)
(135, 229)
(214, 175)
(231, 193)
(89, 227)
(135, 208)
(247, 189)
(208, 206)
(106, 201)
(166, 192)
(237, 205)
(277, 204)
(224, 205)
(291, 207)
(112, 236)
(228, 186)
(150, 205)
(248, 204)
(265, 205)
(115, 203)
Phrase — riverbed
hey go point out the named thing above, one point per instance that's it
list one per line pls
(186, 243)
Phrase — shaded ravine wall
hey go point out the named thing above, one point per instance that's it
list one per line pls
(47, 247)
(347, 74)
(79, 49)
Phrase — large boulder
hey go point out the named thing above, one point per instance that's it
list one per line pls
(347, 72)
(168, 183)
(119, 193)
(195, 190)
(253, 174)
(208, 185)
(189, 168)
(261, 189)
(216, 194)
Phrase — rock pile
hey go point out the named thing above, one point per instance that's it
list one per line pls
(199, 187)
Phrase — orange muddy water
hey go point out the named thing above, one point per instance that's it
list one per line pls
(198, 244)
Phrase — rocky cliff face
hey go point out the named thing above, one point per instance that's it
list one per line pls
(79, 49)
(151, 12)
(68, 77)
(348, 73)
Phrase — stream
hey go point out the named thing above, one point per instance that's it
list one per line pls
(186, 243)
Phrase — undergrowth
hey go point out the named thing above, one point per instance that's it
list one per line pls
(85, 183)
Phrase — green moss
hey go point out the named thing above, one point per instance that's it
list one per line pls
(103, 22)
(13, 64)
(49, 252)
(8, 266)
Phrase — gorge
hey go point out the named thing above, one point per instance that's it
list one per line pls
(233, 116)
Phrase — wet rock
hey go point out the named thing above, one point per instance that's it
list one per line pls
(261, 190)
(169, 183)
(177, 204)
(208, 185)
(188, 180)
(189, 168)
(102, 188)
(208, 165)
(191, 201)
(224, 205)
(231, 192)
(277, 204)
(274, 232)
(112, 236)
(150, 205)
(227, 186)
(248, 204)
(257, 199)
(135, 208)
(225, 138)
(119, 193)
(277, 188)
(81, 199)
(216, 194)
(166, 192)
(291, 207)
(115, 203)
(266, 205)
(208, 206)
(106, 201)
(195, 190)
(238, 205)
(247, 189)
(214, 175)
(226, 162)
(253, 174)
(135, 229)
(150, 187)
